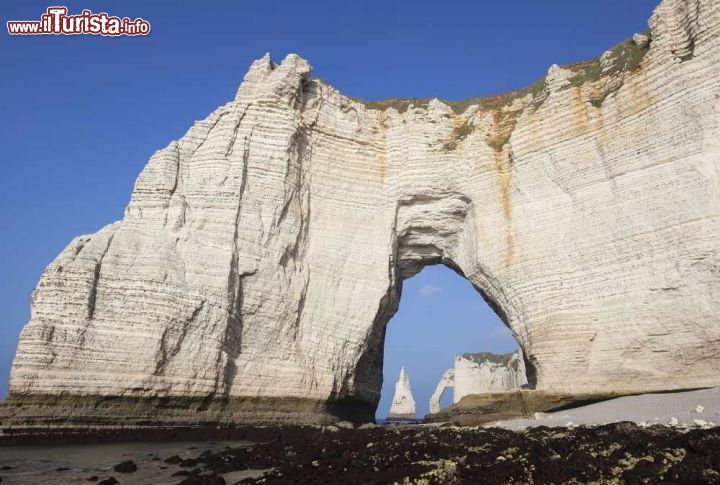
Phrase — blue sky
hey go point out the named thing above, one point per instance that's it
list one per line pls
(81, 115)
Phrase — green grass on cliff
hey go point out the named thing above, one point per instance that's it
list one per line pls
(625, 57)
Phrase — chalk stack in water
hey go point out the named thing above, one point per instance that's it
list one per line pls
(403, 404)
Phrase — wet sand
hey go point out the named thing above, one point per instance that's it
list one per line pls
(78, 463)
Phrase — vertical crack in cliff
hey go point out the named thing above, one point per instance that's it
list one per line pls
(295, 193)
(173, 189)
(207, 133)
(91, 300)
(233, 138)
(48, 335)
(173, 337)
(92, 296)
(231, 344)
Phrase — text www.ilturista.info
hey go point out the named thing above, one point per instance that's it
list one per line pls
(56, 21)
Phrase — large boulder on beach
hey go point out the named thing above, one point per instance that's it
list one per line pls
(126, 467)
(263, 253)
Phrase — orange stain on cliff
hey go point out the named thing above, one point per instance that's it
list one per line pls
(581, 119)
(502, 129)
(640, 93)
(503, 171)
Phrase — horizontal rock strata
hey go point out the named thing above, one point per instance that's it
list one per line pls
(263, 253)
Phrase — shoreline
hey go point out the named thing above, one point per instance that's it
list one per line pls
(430, 454)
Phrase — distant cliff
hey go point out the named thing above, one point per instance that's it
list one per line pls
(481, 373)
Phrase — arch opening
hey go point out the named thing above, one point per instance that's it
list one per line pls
(436, 231)
(442, 328)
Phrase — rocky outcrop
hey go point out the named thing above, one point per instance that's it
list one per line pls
(481, 373)
(403, 403)
(479, 409)
(263, 253)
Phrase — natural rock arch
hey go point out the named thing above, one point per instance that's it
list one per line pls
(447, 381)
(433, 229)
(261, 255)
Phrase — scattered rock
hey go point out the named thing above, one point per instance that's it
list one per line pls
(700, 423)
(6, 467)
(557, 78)
(673, 421)
(641, 40)
(212, 479)
(699, 408)
(368, 426)
(126, 467)
(173, 460)
(93, 478)
(62, 469)
(108, 481)
(621, 452)
(345, 425)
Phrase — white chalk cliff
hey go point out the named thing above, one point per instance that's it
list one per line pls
(403, 403)
(481, 373)
(262, 254)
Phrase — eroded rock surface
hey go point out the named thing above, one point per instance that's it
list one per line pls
(262, 254)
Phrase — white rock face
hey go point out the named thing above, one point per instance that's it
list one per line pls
(403, 403)
(481, 374)
(446, 381)
(262, 254)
